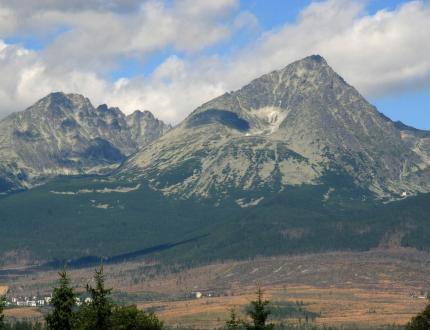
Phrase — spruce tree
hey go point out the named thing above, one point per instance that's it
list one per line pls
(233, 323)
(99, 311)
(259, 313)
(63, 301)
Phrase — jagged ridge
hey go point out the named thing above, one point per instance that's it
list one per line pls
(64, 134)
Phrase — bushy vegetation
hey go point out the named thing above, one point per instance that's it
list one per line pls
(258, 312)
(421, 321)
(285, 309)
(24, 325)
(304, 326)
(98, 313)
(2, 304)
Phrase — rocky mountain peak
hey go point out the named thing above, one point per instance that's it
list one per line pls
(267, 101)
(307, 64)
(288, 127)
(142, 114)
(59, 99)
(314, 60)
(145, 128)
(64, 134)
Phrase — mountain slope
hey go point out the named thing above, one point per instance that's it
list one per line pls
(87, 218)
(289, 127)
(297, 161)
(64, 134)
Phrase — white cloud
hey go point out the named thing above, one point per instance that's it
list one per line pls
(174, 89)
(380, 54)
(25, 78)
(95, 35)
(8, 20)
(98, 34)
(30, 6)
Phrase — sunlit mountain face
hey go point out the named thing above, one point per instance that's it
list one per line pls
(296, 161)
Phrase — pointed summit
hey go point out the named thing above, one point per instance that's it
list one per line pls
(267, 101)
(315, 58)
(312, 62)
(288, 127)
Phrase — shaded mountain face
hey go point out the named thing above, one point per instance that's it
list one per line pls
(64, 134)
(297, 161)
(300, 125)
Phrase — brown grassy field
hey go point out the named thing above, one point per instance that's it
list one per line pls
(373, 288)
(3, 290)
(337, 306)
(23, 313)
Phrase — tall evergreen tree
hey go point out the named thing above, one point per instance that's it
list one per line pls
(259, 313)
(233, 323)
(63, 301)
(99, 311)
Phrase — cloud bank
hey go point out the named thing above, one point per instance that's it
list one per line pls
(380, 54)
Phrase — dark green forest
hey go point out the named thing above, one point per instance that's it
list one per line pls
(118, 226)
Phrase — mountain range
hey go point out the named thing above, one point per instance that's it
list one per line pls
(63, 134)
(289, 127)
(295, 161)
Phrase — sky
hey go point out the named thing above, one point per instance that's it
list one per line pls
(170, 56)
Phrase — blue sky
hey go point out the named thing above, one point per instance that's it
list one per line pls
(169, 56)
(412, 108)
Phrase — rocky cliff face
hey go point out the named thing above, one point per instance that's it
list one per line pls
(64, 134)
(145, 128)
(298, 125)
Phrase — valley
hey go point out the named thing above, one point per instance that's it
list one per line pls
(366, 289)
(294, 183)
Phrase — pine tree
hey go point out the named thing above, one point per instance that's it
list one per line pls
(98, 312)
(233, 323)
(63, 300)
(259, 313)
(2, 305)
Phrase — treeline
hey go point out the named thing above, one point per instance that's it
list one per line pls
(100, 312)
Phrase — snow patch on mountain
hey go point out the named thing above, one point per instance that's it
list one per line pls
(105, 190)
